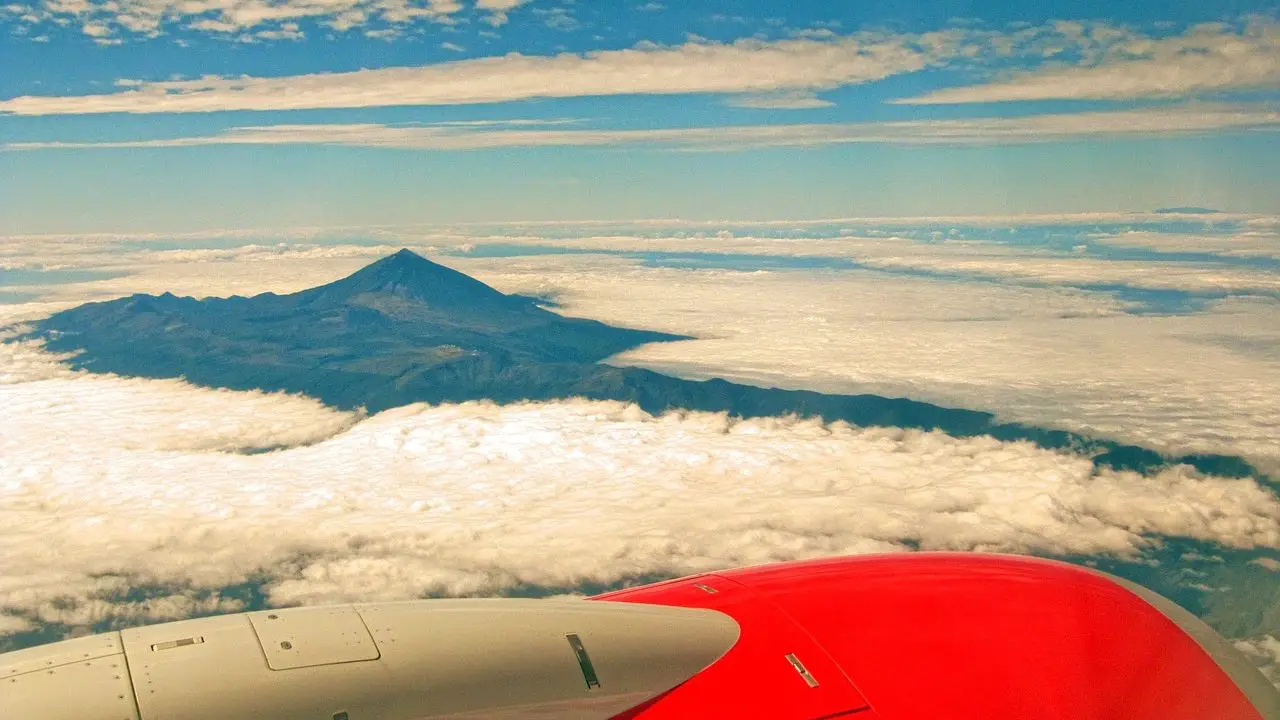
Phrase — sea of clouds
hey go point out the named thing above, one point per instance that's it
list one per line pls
(108, 482)
(112, 484)
(1206, 382)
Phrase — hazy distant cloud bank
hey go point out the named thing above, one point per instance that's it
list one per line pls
(1261, 242)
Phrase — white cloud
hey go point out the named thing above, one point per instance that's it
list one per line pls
(455, 136)
(348, 19)
(1269, 563)
(244, 19)
(498, 9)
(1264, 221)
(1048, 356)
(1058, 270)
(148, 414)
(1265, 652)
(84, 250)
(881, 223)
(199, 274)
(216, 26)
(980, 259)
(1120, 64)
(10, 624)
(1061, 59)
(87, 611)
(404, 11)
(476, 498)
(781, 101)
(557, 18)
(1246, 244)
(745, 66)
(96, 30)
(286, 31)
(987, 259)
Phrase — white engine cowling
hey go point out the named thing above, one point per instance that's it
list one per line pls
(491, 659)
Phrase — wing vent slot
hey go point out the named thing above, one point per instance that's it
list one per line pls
(171, 644)
(809, 679)
(584, 661)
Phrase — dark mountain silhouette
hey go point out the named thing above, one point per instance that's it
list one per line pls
(1187, 211)
(414, 279)
(405, 330)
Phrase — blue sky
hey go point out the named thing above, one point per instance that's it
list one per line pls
(179, 115)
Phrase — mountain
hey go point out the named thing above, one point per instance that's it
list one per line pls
(405, 329)
(381, 337)
(1187, 211)
(414, 280)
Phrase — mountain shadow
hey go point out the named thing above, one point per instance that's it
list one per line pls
(405, 330)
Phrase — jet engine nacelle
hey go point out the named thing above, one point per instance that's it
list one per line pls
(491, 659)
(913, 636)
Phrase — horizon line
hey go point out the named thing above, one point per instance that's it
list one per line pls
(870, 220)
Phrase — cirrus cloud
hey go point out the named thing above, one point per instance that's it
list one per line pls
(1213, 57)
(1055, 60)
(498, 9)
(745, 66)
(244, 20)
(1174, 121)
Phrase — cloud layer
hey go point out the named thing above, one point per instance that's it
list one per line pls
(1005, 335)
(1202, 382)
(745, 66)
(478, 498)
(108, 485)
(1058, 60)
(1264, 650)
(1120, 64)
(1260, 243)
(1086, 271)
(1180, 120)
(109, 23)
